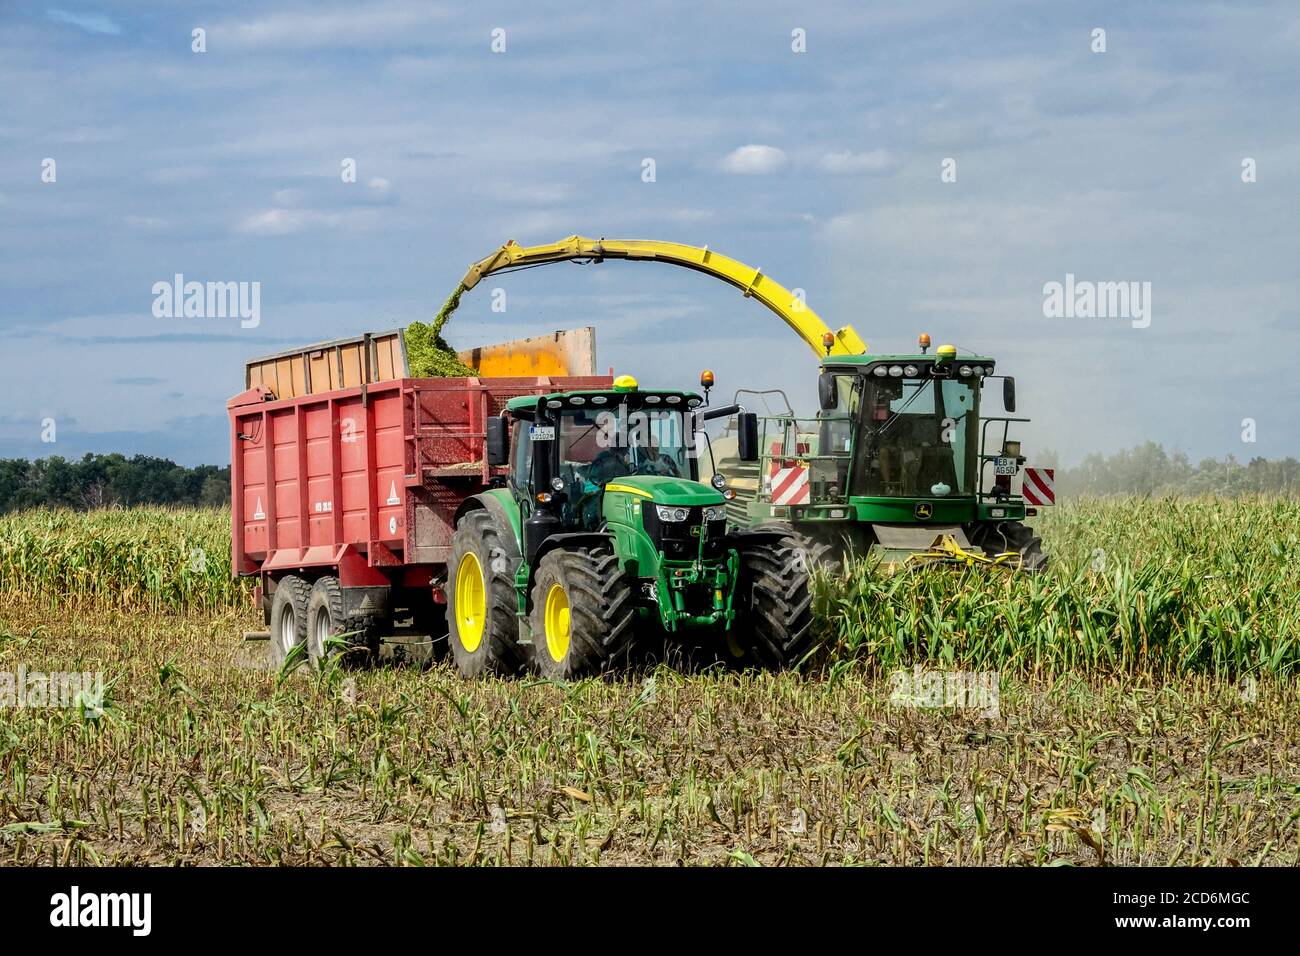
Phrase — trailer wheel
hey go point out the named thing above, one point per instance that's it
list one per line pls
(481, 603)
(582, 613)
(288, 618)
(331, 634)
(775, 622)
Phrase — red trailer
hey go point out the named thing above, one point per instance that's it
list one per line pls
(360, 486)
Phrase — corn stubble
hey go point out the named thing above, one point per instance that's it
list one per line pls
(1147, 715)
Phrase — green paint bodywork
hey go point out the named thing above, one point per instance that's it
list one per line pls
(670, 583)
(642, 561)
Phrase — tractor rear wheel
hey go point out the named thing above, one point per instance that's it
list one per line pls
(775, 623)
(327, 623)
(582, 618)
(288, 618)
(1012, 536)
(483, 634)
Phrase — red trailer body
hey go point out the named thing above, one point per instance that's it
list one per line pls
(363, 483)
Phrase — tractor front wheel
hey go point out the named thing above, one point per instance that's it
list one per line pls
(582, 613)
(775, 625)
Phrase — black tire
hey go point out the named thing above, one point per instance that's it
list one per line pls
(288, 622)
(597, 608)
(821, 552)
(327, 621)
(774, 630)
(489, 645)
(995, 539)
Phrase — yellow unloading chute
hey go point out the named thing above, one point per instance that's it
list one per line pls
(750, 281)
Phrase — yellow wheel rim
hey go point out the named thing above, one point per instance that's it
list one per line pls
(557, 622)
(471, 602)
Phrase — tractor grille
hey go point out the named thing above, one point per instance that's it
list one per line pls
(680, 540)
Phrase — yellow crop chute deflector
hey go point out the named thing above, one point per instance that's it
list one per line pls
(750, 281)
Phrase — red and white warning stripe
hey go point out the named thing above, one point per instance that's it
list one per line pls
(789, 483)
(1039, 486)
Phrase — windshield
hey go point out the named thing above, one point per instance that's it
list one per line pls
(917, 437)
(599, 445)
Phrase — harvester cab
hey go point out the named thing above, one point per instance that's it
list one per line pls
(604, 532)
(902, 463)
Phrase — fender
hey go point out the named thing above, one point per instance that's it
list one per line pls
(576, 539)
(502, 505)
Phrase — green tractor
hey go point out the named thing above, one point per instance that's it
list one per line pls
(603, 535)
(899, 462)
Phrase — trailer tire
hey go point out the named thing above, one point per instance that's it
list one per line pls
(481, 602)
(582, 616)
(775, 621)
(327, 621)
(288, 624)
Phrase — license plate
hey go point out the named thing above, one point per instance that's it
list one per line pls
(1004, 466)
(547, 433)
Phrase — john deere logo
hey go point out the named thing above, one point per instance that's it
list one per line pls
(923, 511)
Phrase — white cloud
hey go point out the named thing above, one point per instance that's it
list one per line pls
(284, 222)
(90, 22)
(848, 162)
(754, 160)
(377, 25)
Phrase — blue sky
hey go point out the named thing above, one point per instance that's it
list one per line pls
(225, 166)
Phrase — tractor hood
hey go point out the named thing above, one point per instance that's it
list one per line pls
(666, 491)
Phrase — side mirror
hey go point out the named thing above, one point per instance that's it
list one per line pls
(827, 395)
(498, 441)
(747, 436)
(721, 411)
(1009, 394)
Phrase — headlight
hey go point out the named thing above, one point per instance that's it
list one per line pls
(715, 514)
(910, 371)
(880, 371)
(964, 371)
(895, 371)
(719, 481)
(671, 514)
(557, 483)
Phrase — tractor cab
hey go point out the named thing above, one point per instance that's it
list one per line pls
(585, 458)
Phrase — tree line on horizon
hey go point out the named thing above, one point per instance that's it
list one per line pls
(106, 481)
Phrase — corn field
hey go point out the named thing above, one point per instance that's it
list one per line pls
(1144, 713)
(1159, 587)
(149, 559)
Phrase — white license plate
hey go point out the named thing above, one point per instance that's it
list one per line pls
(1004, 466)
(541, 433)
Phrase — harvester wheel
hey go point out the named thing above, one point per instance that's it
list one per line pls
(582, 617)
(775, 627)
(328, 623)
(1015, 537)
(481, 597)
(288, 618)
(820, 554)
